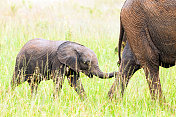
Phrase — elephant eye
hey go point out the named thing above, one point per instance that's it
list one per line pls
(86, 62)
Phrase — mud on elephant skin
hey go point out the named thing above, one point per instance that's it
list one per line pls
(41, 59)
(149, 28)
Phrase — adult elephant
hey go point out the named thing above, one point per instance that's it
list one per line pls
(149, 28)
(41, 59)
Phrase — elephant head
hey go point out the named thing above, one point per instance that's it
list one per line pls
(81, 59)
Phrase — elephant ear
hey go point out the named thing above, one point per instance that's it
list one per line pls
(68, 54)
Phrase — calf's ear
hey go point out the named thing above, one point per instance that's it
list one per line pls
(67, 54)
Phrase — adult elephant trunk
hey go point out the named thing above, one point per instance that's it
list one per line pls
(97, 72)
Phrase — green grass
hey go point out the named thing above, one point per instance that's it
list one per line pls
(93, 24)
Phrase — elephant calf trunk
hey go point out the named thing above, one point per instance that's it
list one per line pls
(103, 75)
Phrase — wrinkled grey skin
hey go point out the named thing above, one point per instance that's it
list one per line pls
(149, 28)
(128, 66)
(41, 59)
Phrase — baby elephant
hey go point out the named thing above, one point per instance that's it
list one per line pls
(41, 59)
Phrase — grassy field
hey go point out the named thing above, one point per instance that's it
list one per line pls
(93, 23)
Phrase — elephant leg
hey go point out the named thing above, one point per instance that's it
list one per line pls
(18, 77)
(58, 85)
(58, 80)
(127, 69)
(33, 82)
(34, 87)
(114, 88)
(75, 82)
(149, 59)
(153, 80)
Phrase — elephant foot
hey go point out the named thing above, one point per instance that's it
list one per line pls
(83, 97)
(55, 96)
(110, 95)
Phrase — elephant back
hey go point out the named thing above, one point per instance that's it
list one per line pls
(39, 47)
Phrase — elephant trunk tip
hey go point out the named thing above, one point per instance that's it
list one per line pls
(108, 75)
(104, 75)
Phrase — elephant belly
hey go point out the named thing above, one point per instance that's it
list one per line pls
(164, 38)
(165, 42)
(162, 28)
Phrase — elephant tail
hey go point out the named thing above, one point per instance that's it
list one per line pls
(120, 42)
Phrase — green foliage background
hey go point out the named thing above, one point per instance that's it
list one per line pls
(93, 23)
